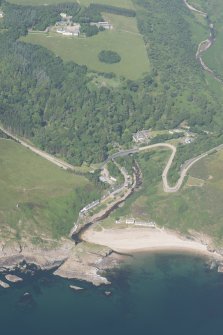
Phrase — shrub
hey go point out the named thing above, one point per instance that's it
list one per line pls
(108, 56)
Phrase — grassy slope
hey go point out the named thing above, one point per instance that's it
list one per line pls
(196, 207)
(200, 32)
(118, 3)
(214, 56)
(199, 28)
(85, 51)
(48, 198)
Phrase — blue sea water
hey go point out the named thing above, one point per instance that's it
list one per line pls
(152, 294)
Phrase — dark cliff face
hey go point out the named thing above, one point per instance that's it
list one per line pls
(27, 263)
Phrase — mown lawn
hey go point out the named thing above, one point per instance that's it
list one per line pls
(37, 198)
(123, 39)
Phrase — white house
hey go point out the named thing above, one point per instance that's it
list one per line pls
(105, 25)
(188, 140)
(73, 30)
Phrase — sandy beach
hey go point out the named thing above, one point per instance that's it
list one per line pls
(144, 239)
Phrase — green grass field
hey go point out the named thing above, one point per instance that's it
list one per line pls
(37, 198)
(124, 39)
(198, 205)
(118, 3)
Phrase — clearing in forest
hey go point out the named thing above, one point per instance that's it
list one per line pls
(124, 39)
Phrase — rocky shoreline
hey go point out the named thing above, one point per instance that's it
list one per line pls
(83, 261)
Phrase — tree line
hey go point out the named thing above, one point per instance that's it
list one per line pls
(113, 9)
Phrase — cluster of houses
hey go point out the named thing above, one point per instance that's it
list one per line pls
(188, 136)
(73, 30)
(144, 136)
(132, 221)
(67, 27)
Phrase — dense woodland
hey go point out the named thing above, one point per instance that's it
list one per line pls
(20, 18)
(55, 105)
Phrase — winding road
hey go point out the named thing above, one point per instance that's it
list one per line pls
(79, 228)
(184, 169)
(166, 187)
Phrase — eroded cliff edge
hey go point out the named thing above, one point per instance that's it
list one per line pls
(84, 261)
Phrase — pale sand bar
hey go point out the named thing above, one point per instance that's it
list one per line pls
(144, 239)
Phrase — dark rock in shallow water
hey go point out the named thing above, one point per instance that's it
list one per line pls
(47, 281)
